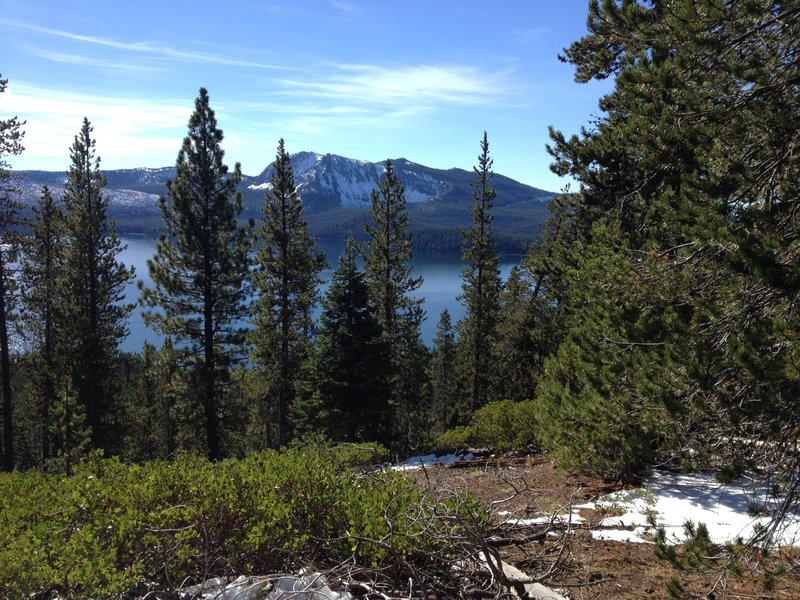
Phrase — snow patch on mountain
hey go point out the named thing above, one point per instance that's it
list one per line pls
(132, 198)
(302, 162)
(348, 182)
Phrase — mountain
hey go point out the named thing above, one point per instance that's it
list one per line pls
(336, 193)
(330, 181)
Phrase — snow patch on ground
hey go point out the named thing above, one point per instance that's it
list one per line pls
(618, 535)
(305, 587)
(560, 520)
(729, 512)
(428, 460)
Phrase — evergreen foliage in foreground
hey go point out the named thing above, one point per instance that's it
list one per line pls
(679, 292)
(112, 525)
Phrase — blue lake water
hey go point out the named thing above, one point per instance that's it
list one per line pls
(440, 271)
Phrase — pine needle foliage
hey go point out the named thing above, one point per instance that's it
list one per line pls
(200, 271)
(679, 290)
(11, 134)
(41, 267)
(285, 280)
(93, 285)
(481, 286)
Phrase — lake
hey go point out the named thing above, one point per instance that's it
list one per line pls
(441, 273)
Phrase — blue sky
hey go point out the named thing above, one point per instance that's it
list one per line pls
(377, 79)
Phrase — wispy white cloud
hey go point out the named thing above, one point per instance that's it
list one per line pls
(145, 48)
(328, 104)
(337, 103)
(342, 5)
(91, 61)
(420, 86)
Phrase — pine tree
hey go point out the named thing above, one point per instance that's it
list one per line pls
(172, 389)
(10, 145)
(41, 266)
(9, 248)
(411, 386)
(481, 286)
(156, 389)
(349, 394)
(95, 319)
(387, 263)
(526, 335)
(445, 384)
(71, 433)
(550, 258)
(286, 280)
(388, 271)
(688, 192)
(200, 269)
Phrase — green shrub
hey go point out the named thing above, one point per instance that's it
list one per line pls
(109, 525)
(455, 439)
(503, 426)
(360, 455)
(607, 413)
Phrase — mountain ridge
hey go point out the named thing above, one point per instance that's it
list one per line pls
(336, 194)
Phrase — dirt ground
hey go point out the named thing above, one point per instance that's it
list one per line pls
(568, 559)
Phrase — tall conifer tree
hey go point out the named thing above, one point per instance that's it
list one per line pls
(10, 144)
(286, 280)
(387, 263)
(481, 286)
(349, 396)
(680, 294)
(200, 269)
(388, 271)
(525, 336)
(42, 264)
(445, 387)
(95, 318)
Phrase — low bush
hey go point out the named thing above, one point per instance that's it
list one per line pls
(109, 525)
(502, 426)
